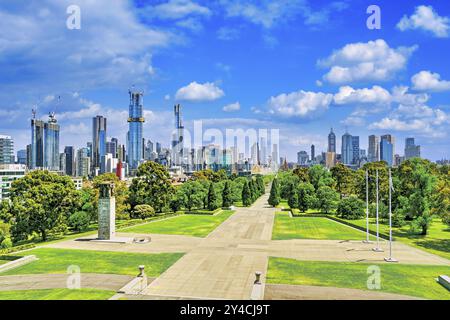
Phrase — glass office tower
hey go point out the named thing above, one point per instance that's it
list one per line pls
(98, 141)
(135, 121)
(6, 150)
(51, 145)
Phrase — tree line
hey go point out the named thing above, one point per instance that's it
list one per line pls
(422, 191)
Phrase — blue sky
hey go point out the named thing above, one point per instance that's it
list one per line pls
(299, 66)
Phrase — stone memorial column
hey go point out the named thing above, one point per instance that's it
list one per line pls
(106, 212)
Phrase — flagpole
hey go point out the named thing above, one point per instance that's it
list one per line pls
(377, 248)
(367, 207)
(391, 187)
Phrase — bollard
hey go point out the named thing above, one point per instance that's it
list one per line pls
(258, 277)
(141, 271)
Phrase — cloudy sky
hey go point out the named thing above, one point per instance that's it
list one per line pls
(300, 66)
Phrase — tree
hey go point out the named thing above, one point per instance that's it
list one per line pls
(227, 197)
(253, 191)
(41, 202)
(343, 177)
(306, 197)
(246, 195)
(176, 203)
(274, 198)
(260, 184)
(350, 208)
(320, 176)
(5, 239)
(293, 197)
(212, 198)
(302, 174)
(423, 222)
(326, 199)
(143, 211)
(151, 186)
(193, 194)
(79, 221)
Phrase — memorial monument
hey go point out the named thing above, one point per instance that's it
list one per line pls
(106, 212)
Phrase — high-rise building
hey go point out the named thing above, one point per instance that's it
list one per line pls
(387, 149)
(135, 133)
(62, 162)
(51, 138)
(6, 150)
(83, 162)
(330, 159)
(275, 153)
(8, 174)
(302, 158)
(355, 150)
(98, 141)
(313, 153)
(29, 153)
(22, 157)
(347, 149)
(332, 142)
(158, 148)
(263, 151)
(411, 150)
(374, 149)
(111, 147)
(178, 137)
(148, 150)
(70, 160)
(37, 143)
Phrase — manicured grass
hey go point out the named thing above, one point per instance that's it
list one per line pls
(56, 261)
(286, 228)
(437, 240)
(412, 280)
(190, 225)
(57, 294)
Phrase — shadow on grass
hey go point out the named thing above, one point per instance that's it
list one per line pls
(10, 258)
(438, 245)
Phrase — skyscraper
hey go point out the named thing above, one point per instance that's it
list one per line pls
(313, 153)
(355, 150)
(347, 149)
(51, 138)
(302, 158)
(332, 142)
(135, 134)
(374, 149)
(178, 136)
(37, 143)
(83, 162)
(98, 141)
(6, 150)
(387, 149)
(411, 150)
(70, 160)
(21, 157)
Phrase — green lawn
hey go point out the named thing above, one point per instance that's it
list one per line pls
(56, 261)
(412, 280)
(286, 228)
(190, 225)
(437, 241)
(57, 294)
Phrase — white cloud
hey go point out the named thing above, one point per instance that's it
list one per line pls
(375, 95)
(300, 104)
(354, 121)
(427, 81)
(112, 48)
(200, 92)
(360, 62)
(177, 9)
(232, 107)
(427, 19)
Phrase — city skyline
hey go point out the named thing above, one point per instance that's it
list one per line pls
(258, 86)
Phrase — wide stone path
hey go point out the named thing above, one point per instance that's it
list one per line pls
(218, 268)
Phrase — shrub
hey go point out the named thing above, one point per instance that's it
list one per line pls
(350, 208)
(79, 221)
(143, 211)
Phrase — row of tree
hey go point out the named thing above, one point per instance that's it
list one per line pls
(422, 191)
(46, 204)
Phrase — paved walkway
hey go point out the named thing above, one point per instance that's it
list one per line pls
(59, 281)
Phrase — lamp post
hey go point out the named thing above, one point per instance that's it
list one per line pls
(391, 188)
(377, 248)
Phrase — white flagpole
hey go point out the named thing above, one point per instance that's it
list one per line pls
(391, 187)
(377, 248)
(367, 207)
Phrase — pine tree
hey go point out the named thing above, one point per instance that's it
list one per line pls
(274, 198)
(212, 198)
(227, 200)
(246, 195)
(293, 197)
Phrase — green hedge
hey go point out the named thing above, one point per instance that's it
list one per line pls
(204, 212)
(17, 248)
